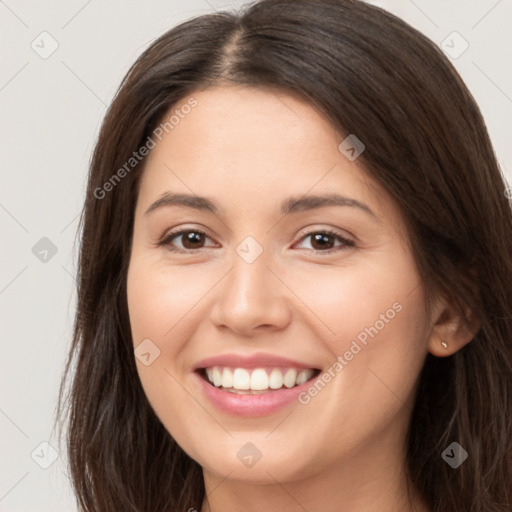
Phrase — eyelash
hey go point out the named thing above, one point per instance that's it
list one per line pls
(166, 240)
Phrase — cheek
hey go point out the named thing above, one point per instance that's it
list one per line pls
(161, 308)
(362, 300)
(161, 300)
(373, 324)
(372, 317)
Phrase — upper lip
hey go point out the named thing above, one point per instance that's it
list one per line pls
(250, 361)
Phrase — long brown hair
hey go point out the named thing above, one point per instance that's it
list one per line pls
(370, 74)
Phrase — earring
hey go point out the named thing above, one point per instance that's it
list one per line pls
(444, 344)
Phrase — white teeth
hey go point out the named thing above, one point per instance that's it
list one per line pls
(276, 379)
(257, 379)
(241, 379)
(303, 376)
(227, 378)
(289, 378)
(217, 378)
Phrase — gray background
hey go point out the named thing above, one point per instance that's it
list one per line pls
(51, 109)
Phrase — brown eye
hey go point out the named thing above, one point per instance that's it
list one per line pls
(190, 239)
(321, 241)
(325, 241)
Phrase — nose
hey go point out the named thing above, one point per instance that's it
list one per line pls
(251, 299)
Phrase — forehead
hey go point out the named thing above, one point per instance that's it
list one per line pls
(239, 142)
(238, 124)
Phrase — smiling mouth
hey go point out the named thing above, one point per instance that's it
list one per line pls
(255, 381)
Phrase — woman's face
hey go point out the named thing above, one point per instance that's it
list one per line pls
(275, 282)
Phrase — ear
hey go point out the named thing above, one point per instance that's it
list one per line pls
(451, 328)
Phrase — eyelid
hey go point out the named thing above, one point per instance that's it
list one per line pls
(343, 234)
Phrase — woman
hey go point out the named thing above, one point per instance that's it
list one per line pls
(294, 278)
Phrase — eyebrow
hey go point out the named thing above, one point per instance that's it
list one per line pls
(291, 205)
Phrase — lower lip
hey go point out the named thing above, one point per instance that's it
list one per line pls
(250, 405)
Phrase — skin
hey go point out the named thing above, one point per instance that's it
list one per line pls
(247, 150)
